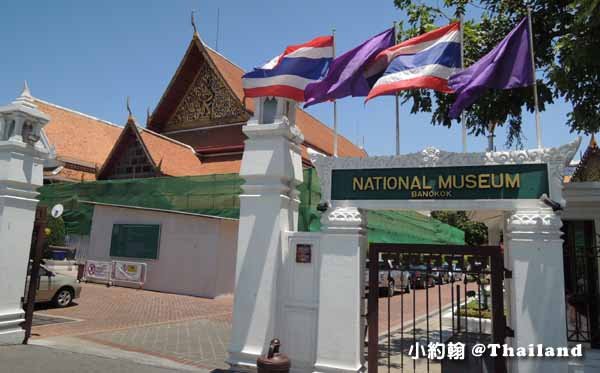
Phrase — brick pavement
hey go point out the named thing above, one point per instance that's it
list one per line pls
(40, 359)
(200, 343)
(184, 329)
(104, 309)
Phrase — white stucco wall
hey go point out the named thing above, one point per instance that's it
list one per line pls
(196, 255)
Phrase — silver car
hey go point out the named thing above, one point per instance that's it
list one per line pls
(56, 288)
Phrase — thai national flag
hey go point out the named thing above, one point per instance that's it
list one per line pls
(426, 61)
(289, 73)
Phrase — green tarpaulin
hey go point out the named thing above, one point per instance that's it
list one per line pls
(218, 195)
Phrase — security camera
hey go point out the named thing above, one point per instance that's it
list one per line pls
(322, 207)
(555, 206)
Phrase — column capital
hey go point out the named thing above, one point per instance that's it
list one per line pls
(541, 224)
(344, 220)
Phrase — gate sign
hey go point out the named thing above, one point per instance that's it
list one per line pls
(521, 181)
(97, 270)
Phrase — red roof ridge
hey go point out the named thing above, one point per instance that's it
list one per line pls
(103, 121)
(223, 56)
(163, 137)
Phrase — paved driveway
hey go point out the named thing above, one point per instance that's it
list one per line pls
(102, 309)
(181, 329)
(39, 359)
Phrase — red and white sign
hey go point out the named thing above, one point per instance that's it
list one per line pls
(97, 271)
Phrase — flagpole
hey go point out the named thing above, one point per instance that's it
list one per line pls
(397, 98)
(462, 66)
(335, 129)
(538, 126)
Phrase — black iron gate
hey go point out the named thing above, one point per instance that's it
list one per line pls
(434, 294)
(582, 282)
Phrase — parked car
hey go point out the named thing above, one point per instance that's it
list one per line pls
(419, 276)
(391, 278)
(440, 274)
(456, 274)
(59, 289)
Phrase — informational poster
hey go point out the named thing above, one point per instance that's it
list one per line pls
(133, 272)
(97, 271)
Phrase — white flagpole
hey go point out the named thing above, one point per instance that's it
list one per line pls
(397, 98)
(397, 124)
(335, 129)
(462, 66)
(538, 126)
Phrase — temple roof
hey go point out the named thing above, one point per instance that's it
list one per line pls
(167, 157)
(79, 139)
(317, 135)
(178, 159)
(589, 166)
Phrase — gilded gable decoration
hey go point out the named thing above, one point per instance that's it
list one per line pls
(206, 101)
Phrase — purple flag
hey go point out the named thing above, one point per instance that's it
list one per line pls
(507, 66)
(345, 75)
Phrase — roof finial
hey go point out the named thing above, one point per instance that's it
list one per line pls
(25, 98)
(26, 91)
(194, 23)
(147, 116)
(130, 115)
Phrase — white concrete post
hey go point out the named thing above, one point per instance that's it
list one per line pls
(340, 339)
(21, 172)
(272, 169)
(537, 294)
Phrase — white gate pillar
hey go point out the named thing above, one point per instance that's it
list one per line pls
(272, 169)
(340, 338)
(537, 295)
(22, 157)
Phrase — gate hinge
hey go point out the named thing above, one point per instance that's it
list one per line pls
(509, 332)
(507, 273)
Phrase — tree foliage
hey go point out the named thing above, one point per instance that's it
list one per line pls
(476, 233)
(567, 57)
(57, 232)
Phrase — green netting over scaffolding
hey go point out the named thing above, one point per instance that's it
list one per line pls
(218, 195)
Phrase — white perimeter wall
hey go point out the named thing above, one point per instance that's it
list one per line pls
(196, 255)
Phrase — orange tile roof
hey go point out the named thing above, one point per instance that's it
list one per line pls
(77, 137)
(179, 159)
(174, 158)
(316, 134)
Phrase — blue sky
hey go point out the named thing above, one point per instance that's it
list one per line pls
(90, 55)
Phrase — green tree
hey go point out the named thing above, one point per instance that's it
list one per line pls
(57, 232)
(567, 49)
(475, 232)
